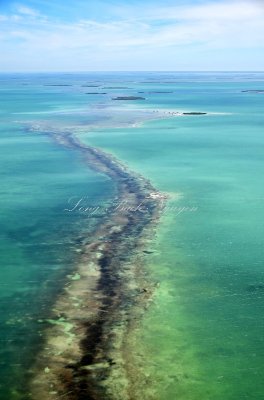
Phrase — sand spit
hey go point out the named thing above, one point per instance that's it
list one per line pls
(85, 355)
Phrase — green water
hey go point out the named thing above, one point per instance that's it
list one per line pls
(38, 238)
(203, 336)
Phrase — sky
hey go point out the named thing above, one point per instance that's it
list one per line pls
(131, 35)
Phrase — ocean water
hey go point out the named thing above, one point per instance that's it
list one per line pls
(202, 335)
(38, 238)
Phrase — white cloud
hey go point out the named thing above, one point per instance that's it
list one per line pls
(24, 10)
(225, 10)
(3, 18)
(211, 26)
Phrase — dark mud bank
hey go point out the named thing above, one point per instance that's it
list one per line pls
(85, 354)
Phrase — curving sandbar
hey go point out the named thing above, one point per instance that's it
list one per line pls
(86, 353)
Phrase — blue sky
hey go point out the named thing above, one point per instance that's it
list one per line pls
(132, 35)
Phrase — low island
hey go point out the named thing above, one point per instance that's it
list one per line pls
(194, 113)
(128, 98)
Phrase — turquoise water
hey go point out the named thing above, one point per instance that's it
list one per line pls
(202, 335)
(38, 239)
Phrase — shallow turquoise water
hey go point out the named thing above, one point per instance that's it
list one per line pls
(203, 334)
(38, 237)
(202, 337)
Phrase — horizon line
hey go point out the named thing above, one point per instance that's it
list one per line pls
(130, 71)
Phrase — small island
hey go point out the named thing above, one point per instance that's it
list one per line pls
(194, 113)
(95, 93)
(253, 91)
(128, 98)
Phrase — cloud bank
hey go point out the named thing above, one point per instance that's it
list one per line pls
(212, 35)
